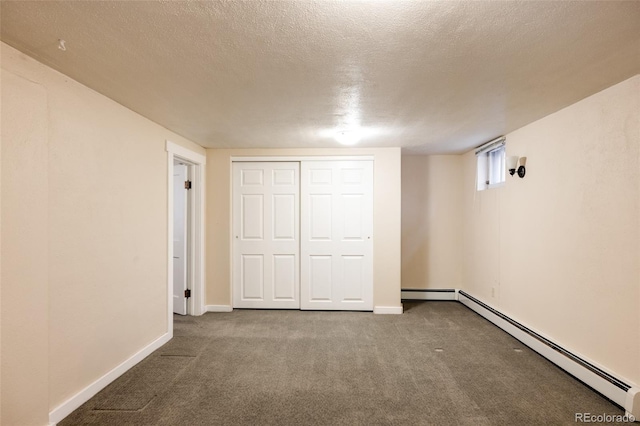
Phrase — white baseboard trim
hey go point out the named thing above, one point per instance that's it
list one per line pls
(218, 308)
(67, 407)
(623, 393)
(395, 310)
(429, 294)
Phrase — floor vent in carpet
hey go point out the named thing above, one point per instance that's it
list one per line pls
(179, 355)
(140, 385)
(129, 403)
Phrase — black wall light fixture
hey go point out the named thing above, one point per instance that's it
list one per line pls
(518, 163)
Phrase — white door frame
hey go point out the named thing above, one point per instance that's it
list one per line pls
(195, 264)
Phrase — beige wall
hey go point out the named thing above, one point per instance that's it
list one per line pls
(561, 247)
(24, 249)
(84, 219)
(0, 253)
(0, 248)
(431, 221)
(386, 224)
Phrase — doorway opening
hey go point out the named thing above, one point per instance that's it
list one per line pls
(185, 232)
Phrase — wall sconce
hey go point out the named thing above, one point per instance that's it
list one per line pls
(518, 163)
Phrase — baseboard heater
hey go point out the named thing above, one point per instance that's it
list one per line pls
(428, 294)
(621, 393)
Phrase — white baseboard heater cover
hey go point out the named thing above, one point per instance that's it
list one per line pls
(611, 387)
(428, 294)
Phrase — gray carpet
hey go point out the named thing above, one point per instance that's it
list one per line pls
(437, 364)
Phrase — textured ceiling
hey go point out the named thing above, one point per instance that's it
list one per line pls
(432, 77)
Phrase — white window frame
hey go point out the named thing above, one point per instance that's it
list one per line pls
(491, 165)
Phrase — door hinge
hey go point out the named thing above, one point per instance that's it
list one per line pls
(187, 293)
(187, 184)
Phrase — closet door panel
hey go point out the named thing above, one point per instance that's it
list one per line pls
(266, 235)
(337, 235)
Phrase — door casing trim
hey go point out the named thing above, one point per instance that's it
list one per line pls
(195, 265)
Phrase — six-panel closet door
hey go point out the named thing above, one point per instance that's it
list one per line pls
(302, 235)
(337, 235)
(266, 235)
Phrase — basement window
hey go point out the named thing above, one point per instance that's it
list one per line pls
(491, 165)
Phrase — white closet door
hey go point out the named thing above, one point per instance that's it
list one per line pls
(266, 240)
(337, 235)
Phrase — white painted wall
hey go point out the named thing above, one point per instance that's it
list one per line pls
(431, 221)
(25, 238)
(84, 242)
(561, 247)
